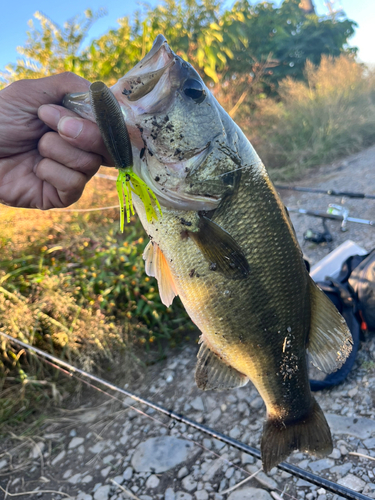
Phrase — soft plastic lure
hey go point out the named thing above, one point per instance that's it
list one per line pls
(111, 123)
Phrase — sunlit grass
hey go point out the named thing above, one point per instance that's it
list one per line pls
(328, 117)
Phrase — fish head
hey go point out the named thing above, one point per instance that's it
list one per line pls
(184, 143)
(173, 121)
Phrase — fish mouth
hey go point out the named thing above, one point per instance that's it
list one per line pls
(150, 74)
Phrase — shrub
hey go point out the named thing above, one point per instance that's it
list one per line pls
(331, 115)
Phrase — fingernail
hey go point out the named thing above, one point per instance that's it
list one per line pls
(49, 115)
(70, 127)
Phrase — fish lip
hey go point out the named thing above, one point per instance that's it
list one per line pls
(143, 78)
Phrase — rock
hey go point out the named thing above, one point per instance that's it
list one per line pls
(257, 403)
(3, 463)
(104, 472)
(369, 443)
(118, 479)
(201, 495)
(37, 450)
(161, 453)
(75, 479)
(250, 494)
(152, 482)
(361, 428)
(128, 472)
(181, 495)
(102, 493)
(182, 472)
(215, 415)
(216, 465)
(197, 404)
(87, 479)
(235, 432)
(76, 441)
(145, 497)
(59, 457)
(335, 453)
(98, 447)
(169, 494)
(189, 483)
(352, 482)
(322, 464)
(207, 443)
(229, 473)
(83, 496)
(266, 481)
(67, 474)
(341, 469)
(246, 459)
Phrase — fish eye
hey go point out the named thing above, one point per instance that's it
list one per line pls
(194, 89)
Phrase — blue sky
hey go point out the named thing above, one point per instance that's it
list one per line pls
(14, 18)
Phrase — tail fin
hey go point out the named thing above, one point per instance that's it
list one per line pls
(310, 434)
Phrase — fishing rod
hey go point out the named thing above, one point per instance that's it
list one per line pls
(331, 192)
(291, 469)
(335, 212)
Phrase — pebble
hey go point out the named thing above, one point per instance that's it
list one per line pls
(182, 472)
(76, 441)
(235, 432)
(197, 404)
(87, 479)
(257, 403)
(182, 495)
(83, 496)
(201, 495)
(104, 472)
(319, 465)
(247, 459)
(152, 482)
(216, 465)
(189, 483)
(162, 453)
(75, 479)
(361, 428)
(58, 458)
(67, 474)
(3, 463)
(169, 494)
(250, 494)
(102, 493)
(128, 472)
(352, 482)
(37, 450)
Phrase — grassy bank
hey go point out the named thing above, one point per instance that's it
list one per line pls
(73, 285)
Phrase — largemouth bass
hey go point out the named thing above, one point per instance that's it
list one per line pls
(226, 246)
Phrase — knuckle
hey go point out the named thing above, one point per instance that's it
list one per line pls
(45, 144)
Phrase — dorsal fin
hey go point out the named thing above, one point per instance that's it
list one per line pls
(212, 373)
(156, 265)
(330, 340)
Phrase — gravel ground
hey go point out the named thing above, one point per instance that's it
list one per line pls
(109, 451)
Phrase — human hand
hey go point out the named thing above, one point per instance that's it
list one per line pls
(47, 153)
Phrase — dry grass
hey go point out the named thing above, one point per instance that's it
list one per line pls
(330, 116)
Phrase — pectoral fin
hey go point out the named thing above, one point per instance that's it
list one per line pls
(221, 251)
(156, 265)
(330, 340)
(212, 373)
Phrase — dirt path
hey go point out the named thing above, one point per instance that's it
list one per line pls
(104, 451)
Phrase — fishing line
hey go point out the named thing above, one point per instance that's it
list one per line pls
(291, 469)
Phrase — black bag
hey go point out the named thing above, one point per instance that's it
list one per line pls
(353, 293)
(362, 286)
